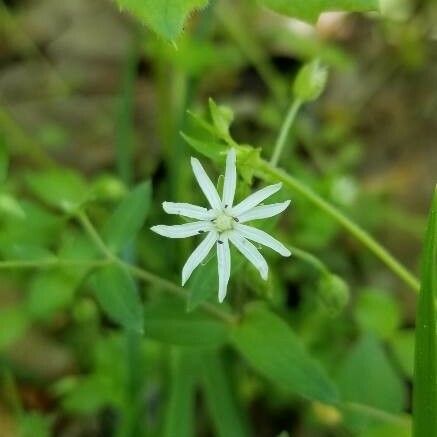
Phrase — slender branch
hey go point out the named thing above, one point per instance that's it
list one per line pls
(51, 263)
(285, 129)
(309, 258)
(267, 171)
(94, 235)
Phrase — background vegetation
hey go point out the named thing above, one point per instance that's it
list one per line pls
(95, 337)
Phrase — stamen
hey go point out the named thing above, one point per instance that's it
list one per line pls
(236, 219)
(219, 241)
(200, 232)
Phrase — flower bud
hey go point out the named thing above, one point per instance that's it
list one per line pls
(333, 293)
(310, 81)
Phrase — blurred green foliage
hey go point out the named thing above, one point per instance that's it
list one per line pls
(96, 335)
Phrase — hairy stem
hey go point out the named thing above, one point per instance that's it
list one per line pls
(268, 171)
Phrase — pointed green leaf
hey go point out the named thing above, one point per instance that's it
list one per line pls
(203, 284)
(274, 350)
(168, 322)
(220, 398)
(128, 218)
(425, 372)
(117, 294)
(212, 150)
(383, 389)
(165, 17)
(61, 188)
(309, 10)
(179, 418)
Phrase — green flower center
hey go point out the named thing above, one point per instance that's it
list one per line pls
(224, 223)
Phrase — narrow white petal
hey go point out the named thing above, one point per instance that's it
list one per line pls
(262, 237)
(224, 265)
(250, 252)
(263, 211)
(205, 184)
(198, 255)
(254, 199)
(182, 231)
(188, 210)
(230, 179)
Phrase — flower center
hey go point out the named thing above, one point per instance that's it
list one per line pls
(224, 223)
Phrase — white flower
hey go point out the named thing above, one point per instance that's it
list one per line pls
(224, 223)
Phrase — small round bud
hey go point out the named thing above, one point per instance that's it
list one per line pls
(333, 293)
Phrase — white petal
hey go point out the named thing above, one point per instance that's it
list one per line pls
(205, 184)
(224, 265)
(230, 179)
(182, 231)
(250, 252)
(188, 210)
(198, 255)
(262, 237)
(263, 211)
(254, 199)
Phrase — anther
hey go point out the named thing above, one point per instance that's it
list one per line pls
(236, 219)
(219, 241)
(200, 232)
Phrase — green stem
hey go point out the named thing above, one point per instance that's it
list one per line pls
(51, 263)
(309, 258)
(285, 129)
(268, 171)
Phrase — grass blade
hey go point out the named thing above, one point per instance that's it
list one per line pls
(425, 372)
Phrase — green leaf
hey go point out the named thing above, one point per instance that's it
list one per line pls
(377, 312)
(402, 344)
(220, 398)
(49, 292)
(222, 117)
(165, 17)
(203, 284)
(88, 395)
(382, 387)
(179, 418)
(11, 207)
(212, 150)
(128, 218)
(117, 294)
(204, 281)
(168, 322)
(309, 10)
(425, 371)
(274, 350)
(61, 188)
